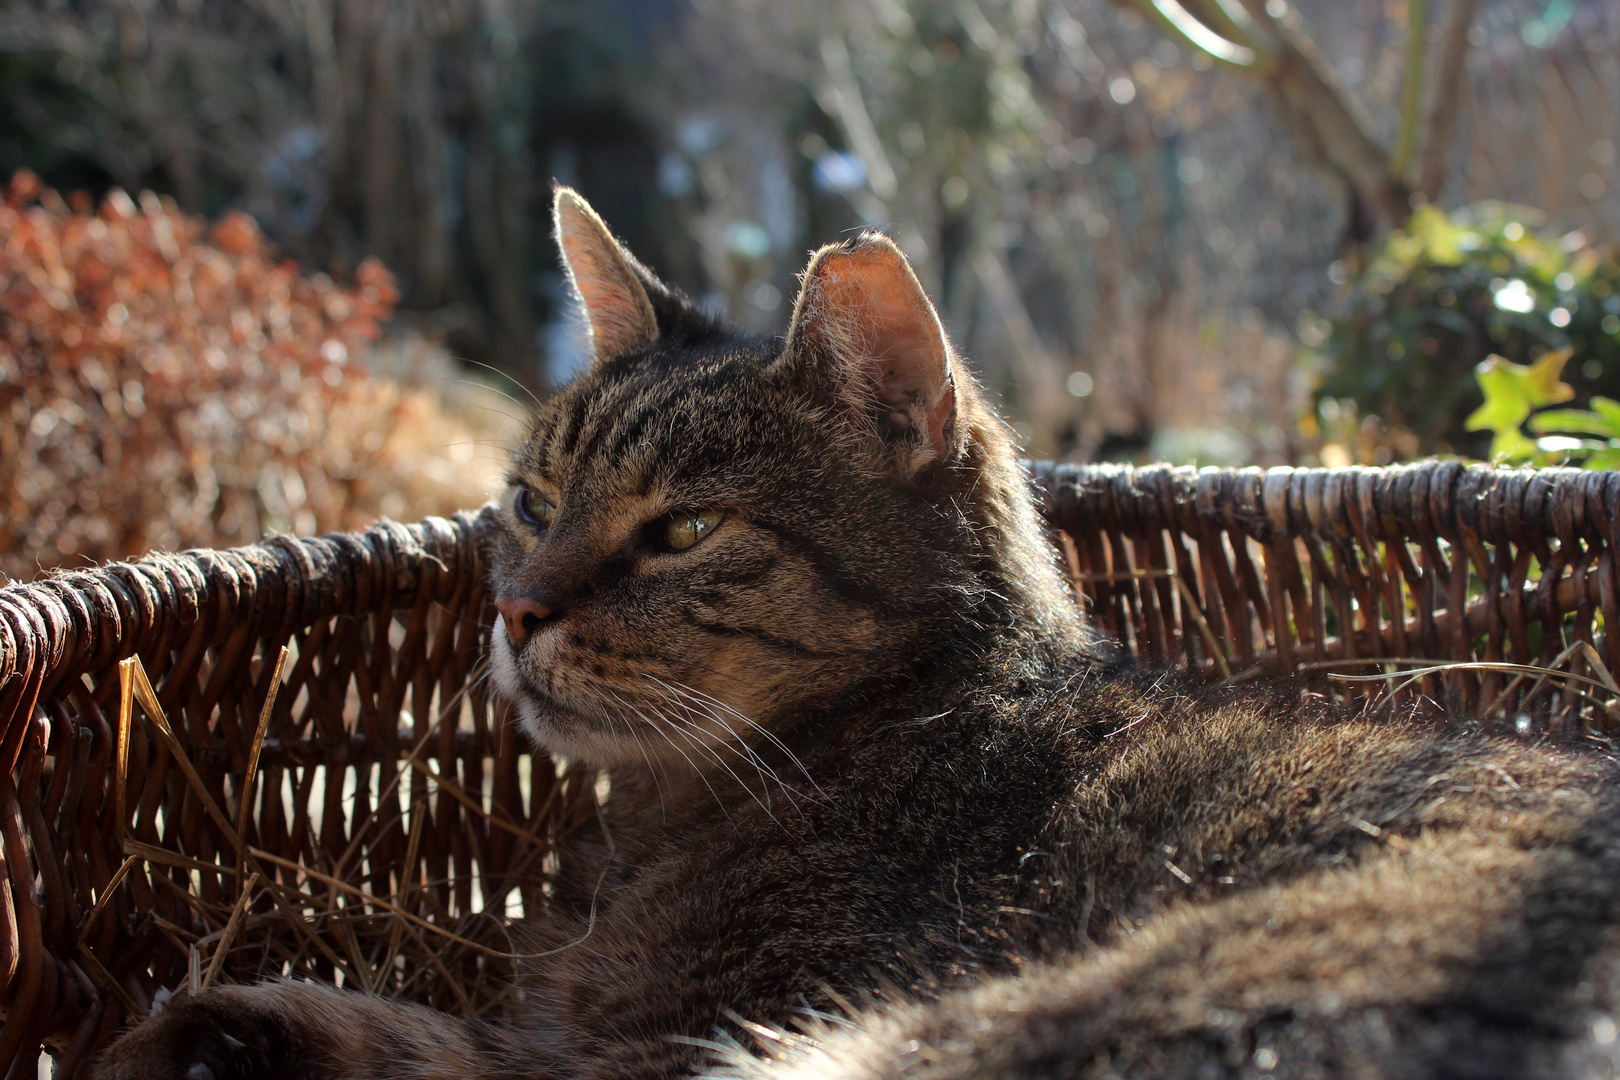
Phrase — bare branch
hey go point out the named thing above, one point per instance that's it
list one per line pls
(1182, 25)
(1234, 20)
(844, 95)
(1332, 125)
(1037, 367)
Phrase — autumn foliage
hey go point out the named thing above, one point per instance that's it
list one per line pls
(164, 384)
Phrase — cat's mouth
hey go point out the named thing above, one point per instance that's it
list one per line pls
(549, 720)
(588, 717)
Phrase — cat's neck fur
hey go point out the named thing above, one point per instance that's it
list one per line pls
(1032, 598)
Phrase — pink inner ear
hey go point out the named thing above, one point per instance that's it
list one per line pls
(881, 307)
(620, 315)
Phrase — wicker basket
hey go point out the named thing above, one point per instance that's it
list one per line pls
(393, 817)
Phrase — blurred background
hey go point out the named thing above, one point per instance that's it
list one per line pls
(1222, 232)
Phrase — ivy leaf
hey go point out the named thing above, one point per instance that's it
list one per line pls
(1566, 447)
(1437, 236)
(1507, 403)
(1545, 386)
(1512, 390)
(1511, 445)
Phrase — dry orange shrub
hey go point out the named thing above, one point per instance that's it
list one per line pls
(164, 385)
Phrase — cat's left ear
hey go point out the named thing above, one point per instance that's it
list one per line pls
(617, 308)
(863, 321)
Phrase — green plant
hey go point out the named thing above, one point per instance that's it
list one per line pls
(1450, 290)
(1514, 393)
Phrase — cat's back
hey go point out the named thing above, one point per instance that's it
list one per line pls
(1242, 883)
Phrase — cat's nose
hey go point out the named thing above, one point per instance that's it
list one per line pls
(522, 615)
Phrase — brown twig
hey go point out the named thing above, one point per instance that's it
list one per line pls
(235, 923)
(244, 809)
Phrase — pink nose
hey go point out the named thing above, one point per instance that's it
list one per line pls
(522, 616)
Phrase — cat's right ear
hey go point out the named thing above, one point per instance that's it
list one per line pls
(618, 313)
(864, 329)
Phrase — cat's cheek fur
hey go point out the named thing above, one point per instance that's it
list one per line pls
(542, 720)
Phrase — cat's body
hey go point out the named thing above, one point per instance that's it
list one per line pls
(921, 868)
(793, 596)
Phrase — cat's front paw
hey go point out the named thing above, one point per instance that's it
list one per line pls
(215, 1035)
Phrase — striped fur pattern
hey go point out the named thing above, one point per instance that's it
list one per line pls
(882, 805)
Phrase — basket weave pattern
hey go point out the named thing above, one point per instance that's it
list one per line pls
(1237, 569)
(394, 806)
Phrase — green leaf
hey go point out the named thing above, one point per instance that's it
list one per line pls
(1545, 386)
(1507, 403)
(1609, 409)
(1564, 447)
(1576, 420)
(1513, 390)
(1438, 234)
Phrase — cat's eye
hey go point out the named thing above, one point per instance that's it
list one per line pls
(687, 527)
(534, 508)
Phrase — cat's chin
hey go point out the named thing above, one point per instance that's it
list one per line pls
(564, 734)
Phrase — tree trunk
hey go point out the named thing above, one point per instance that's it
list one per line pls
(1445, 104)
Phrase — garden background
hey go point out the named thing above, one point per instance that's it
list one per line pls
(284, 265)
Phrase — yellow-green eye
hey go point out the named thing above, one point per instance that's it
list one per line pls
(534, 508)
(687, 528)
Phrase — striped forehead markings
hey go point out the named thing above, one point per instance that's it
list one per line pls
(592, 406)
(569, 435)
(616, 421)
(600, 429)
(630, 434)
(609, 416)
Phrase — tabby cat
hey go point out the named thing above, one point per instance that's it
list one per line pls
(882, 804)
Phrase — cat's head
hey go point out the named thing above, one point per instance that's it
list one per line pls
(707, 533)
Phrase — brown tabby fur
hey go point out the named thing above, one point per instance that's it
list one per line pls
(881, 805)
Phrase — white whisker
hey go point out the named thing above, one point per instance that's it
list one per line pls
(710, 751)
(666, 733)
(740, 744)
(764, 804)
(651, 768)
(685, 689)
